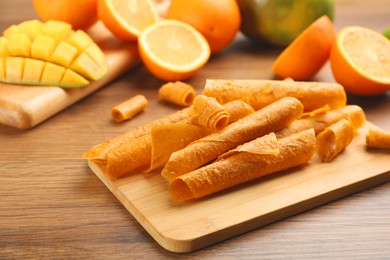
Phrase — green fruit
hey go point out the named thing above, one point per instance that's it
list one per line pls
(387, 33)
(279, 22)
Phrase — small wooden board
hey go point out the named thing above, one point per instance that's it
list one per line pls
(26, 106)
(184, 227)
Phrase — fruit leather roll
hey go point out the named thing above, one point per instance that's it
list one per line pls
(210, 113)
(178, 93)
(169, 138)
(260, 157)
(238, 109)
(260, 93)
(334, 139)
(378, 138)
(153, 146)
(98, 153)
(269, 119)
(129, 108)
(320, 121)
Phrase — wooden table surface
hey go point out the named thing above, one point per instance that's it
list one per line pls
(53, 206)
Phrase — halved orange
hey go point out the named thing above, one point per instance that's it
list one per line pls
(172, 50)
(127, 18)
(360, 61)
(81, 14)
(306, 55)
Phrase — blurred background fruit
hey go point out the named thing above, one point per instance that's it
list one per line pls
(387, 33)
(79, 13)
(218, 20)
(279, 22)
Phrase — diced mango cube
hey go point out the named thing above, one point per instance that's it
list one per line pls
(86, 67)
(32, 71)
(31, 27)
(3, 47)
(52, 74)
(13, 69)
(80, 40)
(50, 53)
(2, 68)
(63, 54)
(95, 53)
(57, 30)
(42, 47)
(13, 29)
(19, 45)
(71, 79)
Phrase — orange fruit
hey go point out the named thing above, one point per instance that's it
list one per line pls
(360, 61)
(79, 13)
(172, 50)
(306, 55)
(218, 20)
(127, 18)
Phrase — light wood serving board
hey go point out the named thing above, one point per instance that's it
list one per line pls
(26, 106)
(184, 227)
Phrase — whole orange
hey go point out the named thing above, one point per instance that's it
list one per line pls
(218, 20)
(79, 13)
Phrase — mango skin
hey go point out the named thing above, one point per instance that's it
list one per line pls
(49, 54)
(279, 22)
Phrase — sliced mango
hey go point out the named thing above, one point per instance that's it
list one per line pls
(31, 27)
(3, 47)
(56, 30)
(13, 69)
(19, 45)
(64, 54)
(87, 67)
(80, 40)
(42, 47)
(71, 79)
(52, 74)
(2, 68)
(96, 54)
(50, 53)
(13, 29)
(32, 71)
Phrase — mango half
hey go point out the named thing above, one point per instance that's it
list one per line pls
(49, 54)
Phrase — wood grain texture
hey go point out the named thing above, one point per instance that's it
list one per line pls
(53, 206)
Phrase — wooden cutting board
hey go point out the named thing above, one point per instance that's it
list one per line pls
(26, 106)
(184, 227)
